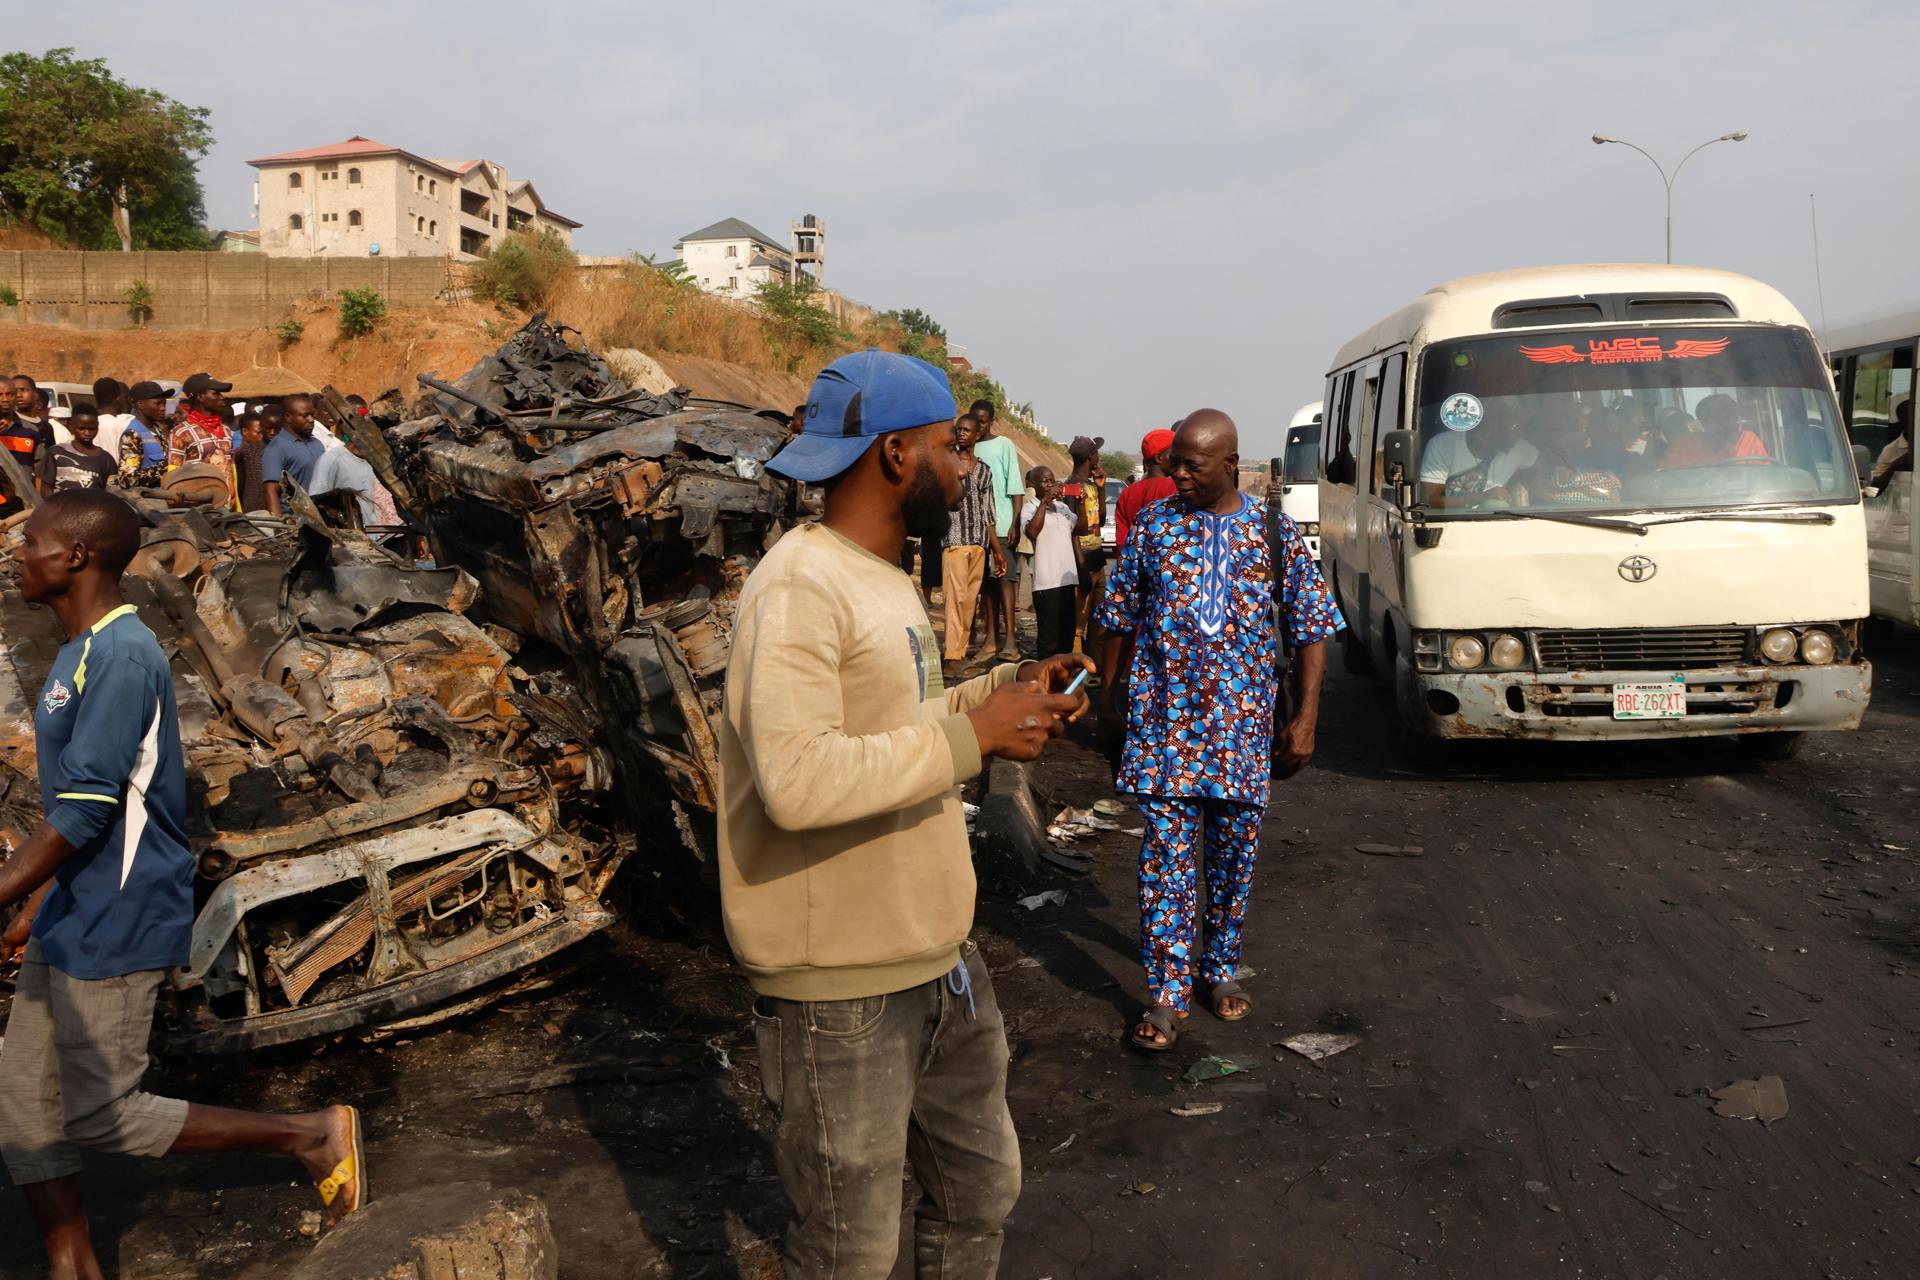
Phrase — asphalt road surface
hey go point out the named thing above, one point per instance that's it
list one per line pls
(1588, 942)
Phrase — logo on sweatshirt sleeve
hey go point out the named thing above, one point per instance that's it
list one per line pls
(926, 661)
(58, 696)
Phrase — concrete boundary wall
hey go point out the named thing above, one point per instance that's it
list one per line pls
(87, 290)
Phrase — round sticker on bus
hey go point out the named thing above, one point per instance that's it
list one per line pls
(1461, 412)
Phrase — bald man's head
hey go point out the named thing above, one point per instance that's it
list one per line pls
(1205, 460)
(73, 536)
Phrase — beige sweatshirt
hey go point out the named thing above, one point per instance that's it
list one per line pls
(844, 864)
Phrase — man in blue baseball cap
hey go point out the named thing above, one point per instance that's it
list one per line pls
(846, 878)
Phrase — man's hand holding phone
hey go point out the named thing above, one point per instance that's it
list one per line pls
(1016, 720)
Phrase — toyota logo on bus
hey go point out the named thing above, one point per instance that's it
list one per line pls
(1638, 569)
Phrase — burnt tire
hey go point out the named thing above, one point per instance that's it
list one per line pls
(1771, 746)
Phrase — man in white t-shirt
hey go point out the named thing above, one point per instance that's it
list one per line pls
(1450, 460)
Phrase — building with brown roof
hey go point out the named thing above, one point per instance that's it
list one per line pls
(364, 197)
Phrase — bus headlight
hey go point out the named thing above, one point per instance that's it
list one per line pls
(1816, 648)
(1466, 652)
(1312, 528)
(1779, 645)
(1507, 652)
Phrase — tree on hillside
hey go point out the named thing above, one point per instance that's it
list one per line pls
(918, 323)
(83, 154)
(1117, 463)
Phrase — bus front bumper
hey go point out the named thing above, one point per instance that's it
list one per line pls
(1579, 705)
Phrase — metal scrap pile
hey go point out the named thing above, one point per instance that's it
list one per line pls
(409, 784)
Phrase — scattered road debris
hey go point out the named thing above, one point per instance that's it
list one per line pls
(1524, 1007)
(1320, 1045)
(1140, 1189)
(1192, 1109)
(1107, 808)
(1050, 898)
(1764, 1100)
(1216, 1067)
(1392, 850)
(1077, 824)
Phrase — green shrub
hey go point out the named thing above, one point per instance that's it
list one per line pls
(288, 332)
(360, 310)
(139, 301)
(791, 307)
(8, 298)
(522, 269)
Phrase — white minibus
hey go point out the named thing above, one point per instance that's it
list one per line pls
(1597, 502)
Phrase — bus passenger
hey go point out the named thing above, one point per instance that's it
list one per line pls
(1452, 471)
(1898, 455)
(1566, 473)
(1610, 442)
(1723, 436)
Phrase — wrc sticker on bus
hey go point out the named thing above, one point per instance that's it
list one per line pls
(1645, 350)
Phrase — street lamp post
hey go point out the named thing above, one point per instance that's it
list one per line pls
(1601, 139)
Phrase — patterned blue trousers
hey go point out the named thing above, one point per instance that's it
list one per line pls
(1178, 828)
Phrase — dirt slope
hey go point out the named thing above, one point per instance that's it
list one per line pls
(444, 340)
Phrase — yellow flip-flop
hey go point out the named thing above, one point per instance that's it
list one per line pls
(353, 1169)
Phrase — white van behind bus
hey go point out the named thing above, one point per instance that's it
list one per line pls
(1293, 478)
(1597, 502)
(1872, 365)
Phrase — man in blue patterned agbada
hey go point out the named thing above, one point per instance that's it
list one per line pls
(1194, 598)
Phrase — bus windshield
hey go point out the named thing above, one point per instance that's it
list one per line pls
(1301, 463)
(1629, 419)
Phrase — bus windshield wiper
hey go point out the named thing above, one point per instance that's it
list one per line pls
(1566, 517)
(1775, 517)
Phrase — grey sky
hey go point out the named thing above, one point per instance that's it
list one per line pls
(1125, 210)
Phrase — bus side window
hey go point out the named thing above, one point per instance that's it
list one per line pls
(1340, 467)
(1329, 418)
(1878, 382)
(1364, 434)
(1392, 380)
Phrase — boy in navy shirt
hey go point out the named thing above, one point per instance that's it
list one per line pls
(112, 877)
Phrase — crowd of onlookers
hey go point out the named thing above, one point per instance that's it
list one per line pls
(148, 436)
(1022, 538)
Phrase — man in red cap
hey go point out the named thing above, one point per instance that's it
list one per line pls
(1151, 487)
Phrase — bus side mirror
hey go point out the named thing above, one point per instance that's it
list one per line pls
(1862, 464)
(1396, 450)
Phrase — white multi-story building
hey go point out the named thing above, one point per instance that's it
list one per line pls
(360, 197)
(733, 258)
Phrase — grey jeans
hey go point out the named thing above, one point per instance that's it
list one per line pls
(70, 1072)
(859, 1086)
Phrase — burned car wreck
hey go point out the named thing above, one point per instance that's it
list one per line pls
(613, 527)
(412, 781)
